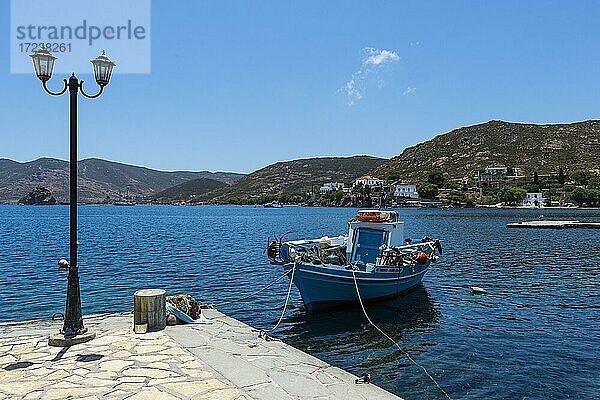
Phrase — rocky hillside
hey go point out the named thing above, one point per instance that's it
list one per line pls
(295, 176)
(187, 190)
(38, 197)
(541, 148)
(98, 179)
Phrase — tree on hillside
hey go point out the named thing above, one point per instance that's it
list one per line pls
(536, 178)
(334, 196)
(428, 190)
(362, 195)
(550, 194)
(486, 200)
(594, 182)
(561, 176)
(436, 177)
(456, 197)
(582, 177)
(511, 195)
(579, 195)
(452, 186)
(590, 197)
(357, 189)
(393, 176)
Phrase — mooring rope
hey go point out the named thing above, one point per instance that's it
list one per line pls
(392, 340)
(264, 333)
(251, 294)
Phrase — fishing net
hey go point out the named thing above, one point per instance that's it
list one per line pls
(186, 304)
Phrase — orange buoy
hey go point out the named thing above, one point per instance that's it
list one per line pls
(422, 258)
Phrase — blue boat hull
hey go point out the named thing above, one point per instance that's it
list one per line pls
(324, 287)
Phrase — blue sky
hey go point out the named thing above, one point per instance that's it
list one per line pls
(238, 85)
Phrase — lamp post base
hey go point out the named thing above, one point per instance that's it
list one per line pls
(62, 340)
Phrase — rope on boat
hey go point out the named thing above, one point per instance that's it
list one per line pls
(264, 334)
(392, 340)
(251, 294)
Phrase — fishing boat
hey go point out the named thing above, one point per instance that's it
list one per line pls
(124, 203)
(273, 204)
(374, 261)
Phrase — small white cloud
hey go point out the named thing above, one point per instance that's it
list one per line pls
(409, 90)
(353, 92)
(415, 44)
(378, 57)
(372, 61)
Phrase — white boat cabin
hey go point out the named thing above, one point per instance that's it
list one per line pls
(369, 234)
(372, 232)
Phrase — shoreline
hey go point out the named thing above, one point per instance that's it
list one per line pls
(308, 206)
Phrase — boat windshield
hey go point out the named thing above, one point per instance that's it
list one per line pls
(367, 244)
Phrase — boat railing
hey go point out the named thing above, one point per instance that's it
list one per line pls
(321, 252)
(430, 243)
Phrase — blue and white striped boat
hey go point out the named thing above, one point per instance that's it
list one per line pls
(373, 261)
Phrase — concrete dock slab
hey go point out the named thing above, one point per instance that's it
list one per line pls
(547, 224)
(223, 360)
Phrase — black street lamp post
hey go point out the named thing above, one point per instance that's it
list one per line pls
(73, 330)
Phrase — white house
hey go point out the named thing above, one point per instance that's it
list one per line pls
(533, 200)
(496, 170)
(409, 191)
(329, 186)
(369, 181)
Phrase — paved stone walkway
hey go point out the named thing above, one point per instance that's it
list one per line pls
(222, 361)
(118, 364)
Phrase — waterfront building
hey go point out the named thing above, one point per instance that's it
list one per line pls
(496, 170)
(369, 181)
(497, 177)
(407, 191)
(533, 200)
(493, 180)
(329, 186)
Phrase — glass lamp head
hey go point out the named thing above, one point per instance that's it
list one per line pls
(103, 68)
(43, 63)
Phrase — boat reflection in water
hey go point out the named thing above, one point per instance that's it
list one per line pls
(346, 331)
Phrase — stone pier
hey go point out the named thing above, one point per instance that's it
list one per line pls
(222, 361)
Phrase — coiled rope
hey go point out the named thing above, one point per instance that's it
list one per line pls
(392, 340)
(264, 333)
(251, 294)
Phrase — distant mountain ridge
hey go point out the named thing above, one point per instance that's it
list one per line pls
(542, 148)
(287, 177)
(187, 190)
(97, 179)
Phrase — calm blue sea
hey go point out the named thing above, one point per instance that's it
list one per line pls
(535, 335)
